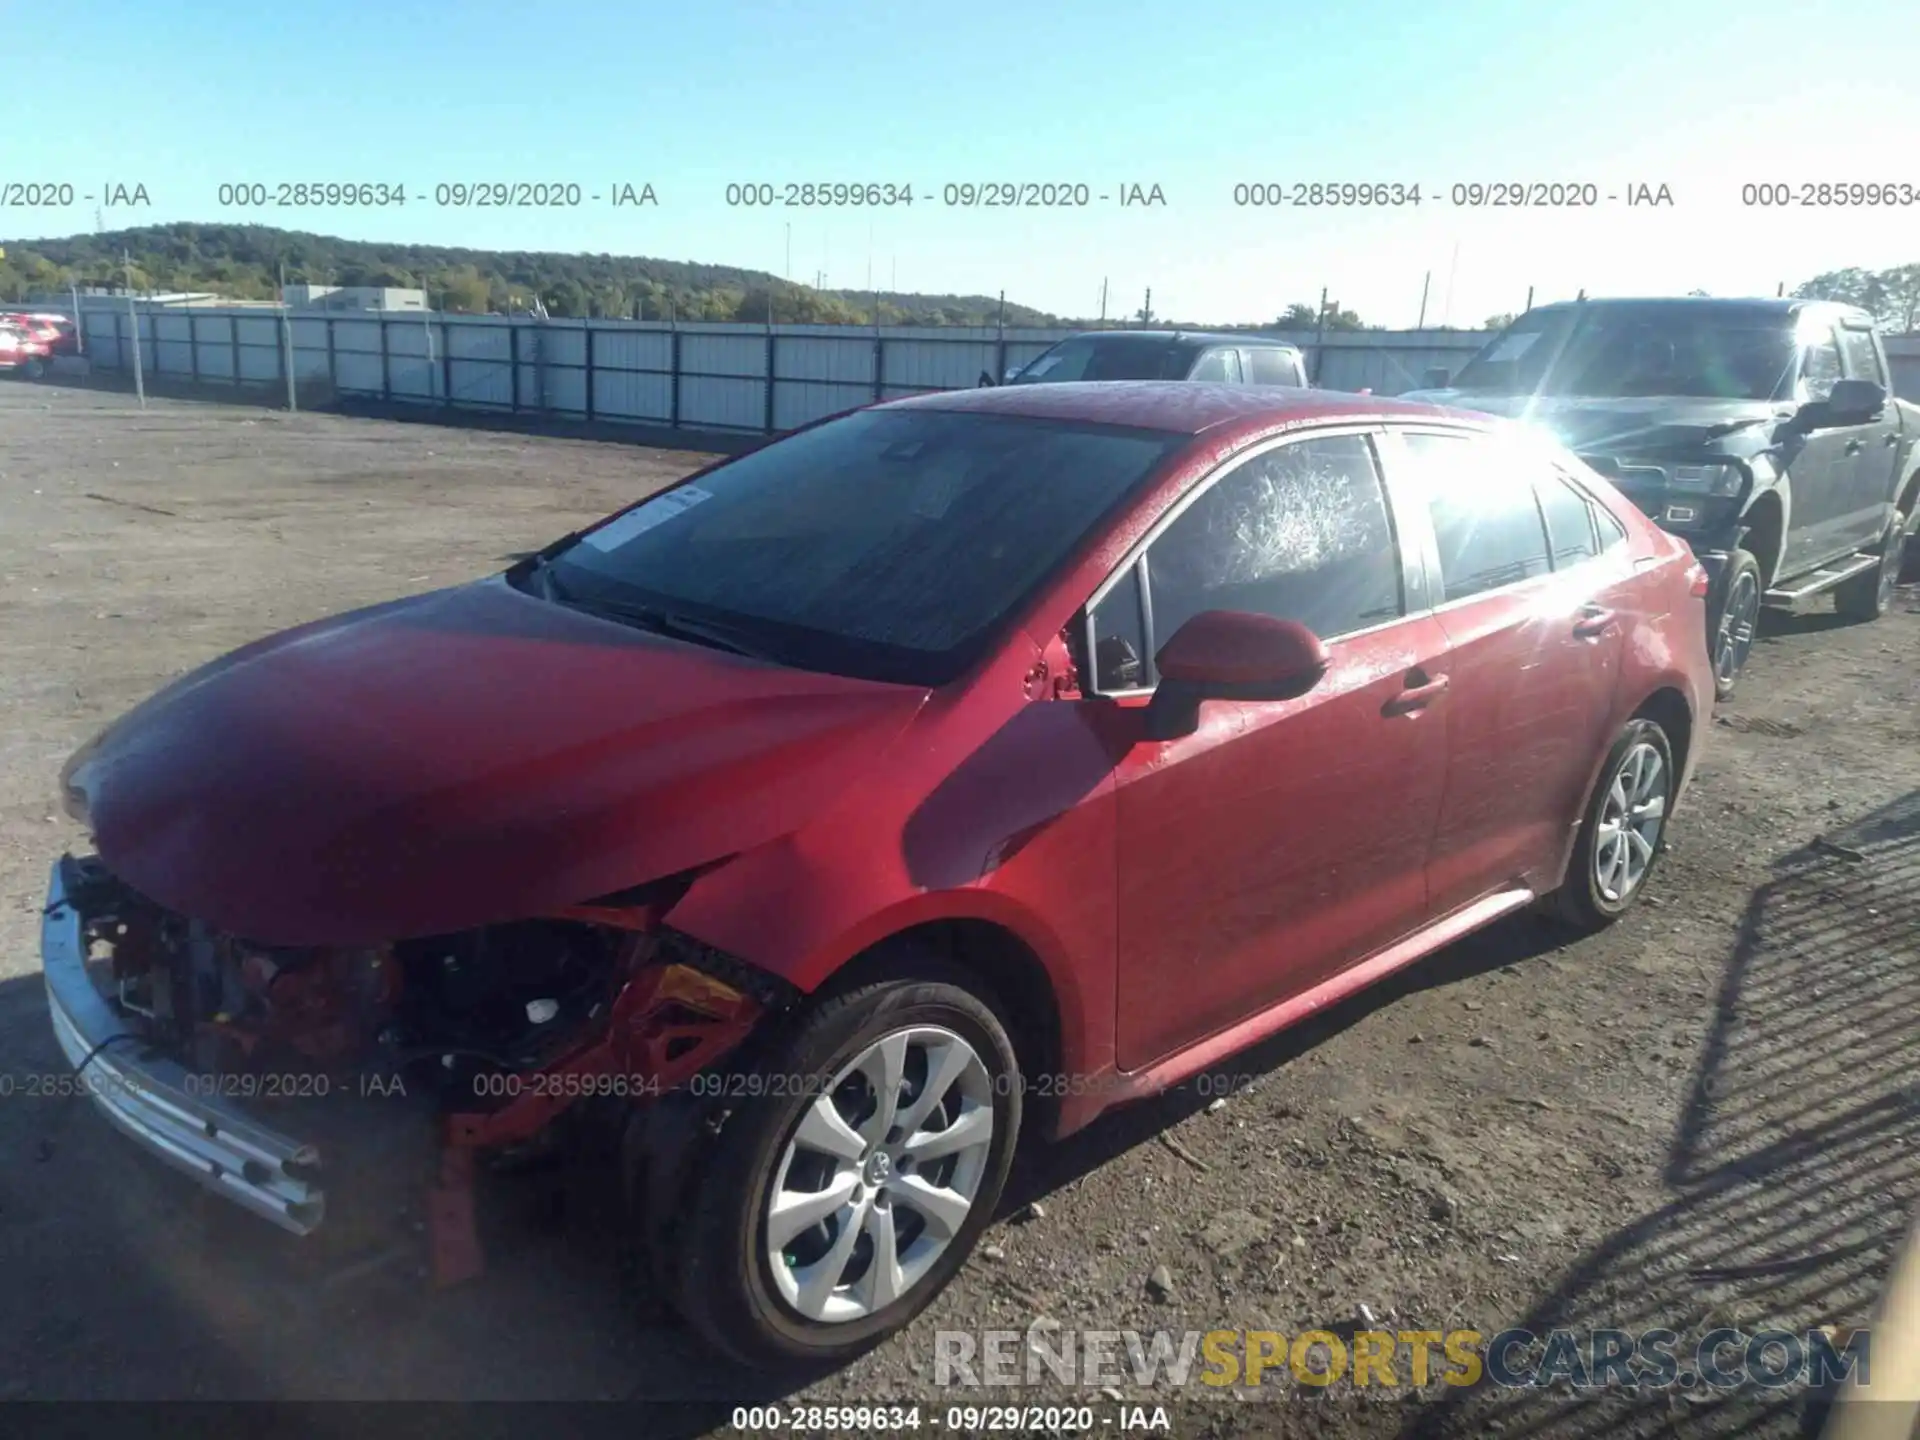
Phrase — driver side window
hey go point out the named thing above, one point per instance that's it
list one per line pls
(1820, 368)
(1220, 366)
(1300, 532)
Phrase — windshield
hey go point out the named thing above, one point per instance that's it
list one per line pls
(1107, 357)
(888, 544)
(1608, 352)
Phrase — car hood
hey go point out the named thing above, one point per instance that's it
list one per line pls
(460, 758)
(1652, 426)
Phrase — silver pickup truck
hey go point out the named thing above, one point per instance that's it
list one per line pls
(1763, 432)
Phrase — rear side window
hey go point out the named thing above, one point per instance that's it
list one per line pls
(1485, 516)
(1300, 532)
(1863, 359)
(1274, 367)
(1570, 522)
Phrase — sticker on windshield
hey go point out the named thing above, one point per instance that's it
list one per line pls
(656, 511)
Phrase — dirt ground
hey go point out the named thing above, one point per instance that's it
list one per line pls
(1706, 1115)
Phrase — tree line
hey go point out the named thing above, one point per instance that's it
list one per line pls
(246, 262)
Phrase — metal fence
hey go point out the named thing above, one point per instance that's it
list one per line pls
(730, 377)
(725, 377)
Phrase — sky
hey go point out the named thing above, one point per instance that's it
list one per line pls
(1704, 99)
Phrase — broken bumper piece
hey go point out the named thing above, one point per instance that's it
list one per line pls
(149, 1098)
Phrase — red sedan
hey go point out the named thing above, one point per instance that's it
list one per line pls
(949, 770)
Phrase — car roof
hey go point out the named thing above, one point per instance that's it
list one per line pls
(1781, 307)
(1186, 337)
(1176, 407)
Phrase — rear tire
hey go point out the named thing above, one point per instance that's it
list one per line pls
(1869, 596)
(1623, 831)
(1733, 621)
(809, 1121)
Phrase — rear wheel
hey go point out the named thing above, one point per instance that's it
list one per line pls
(846, 1191)
(1869, 596)
(34, 368)
(1622, 831)
(1735, 618)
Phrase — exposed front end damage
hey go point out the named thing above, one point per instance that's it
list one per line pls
(242, 1064)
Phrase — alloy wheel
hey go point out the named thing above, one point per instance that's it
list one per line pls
(1630, 822)
(879, 1174)
(1739, 618)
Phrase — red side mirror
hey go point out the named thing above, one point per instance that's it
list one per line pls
(1231, 655)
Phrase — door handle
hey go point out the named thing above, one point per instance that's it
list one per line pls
(1855, 446)
(1417, 697)
(1593, 621)
(1889, 440)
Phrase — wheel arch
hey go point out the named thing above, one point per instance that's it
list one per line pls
(1907, 496)
(1009, 969)
(1667, 707)
(1763, 531)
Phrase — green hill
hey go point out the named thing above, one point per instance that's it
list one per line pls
(244, 261)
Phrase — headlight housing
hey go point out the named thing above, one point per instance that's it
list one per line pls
(75, 800)
(1718, 478)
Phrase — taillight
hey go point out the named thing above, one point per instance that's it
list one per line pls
(1698, 581)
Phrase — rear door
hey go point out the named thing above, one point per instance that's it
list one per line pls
(1534, 599)
(1873, 475)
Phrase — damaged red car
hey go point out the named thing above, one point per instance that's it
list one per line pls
(939, 774)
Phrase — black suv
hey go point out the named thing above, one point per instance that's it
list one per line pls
(1165, 355)
(1762, 432)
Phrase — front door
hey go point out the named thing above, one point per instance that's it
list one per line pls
(1281, 841)
(1822, 524)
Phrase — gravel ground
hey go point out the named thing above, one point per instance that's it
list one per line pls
(1703, 1116)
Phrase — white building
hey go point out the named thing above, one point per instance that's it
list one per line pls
(352, 297)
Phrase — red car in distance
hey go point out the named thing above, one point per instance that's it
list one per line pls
(943, 772)
(23, 350)
(56, 332)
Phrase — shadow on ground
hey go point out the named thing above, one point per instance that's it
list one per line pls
(1795, 1166)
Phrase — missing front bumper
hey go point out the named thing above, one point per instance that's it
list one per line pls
(149, 1097)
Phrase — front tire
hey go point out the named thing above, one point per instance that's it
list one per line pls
(1869, 596)
(854, 1175)
(1733, 621)
(1622, 833)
